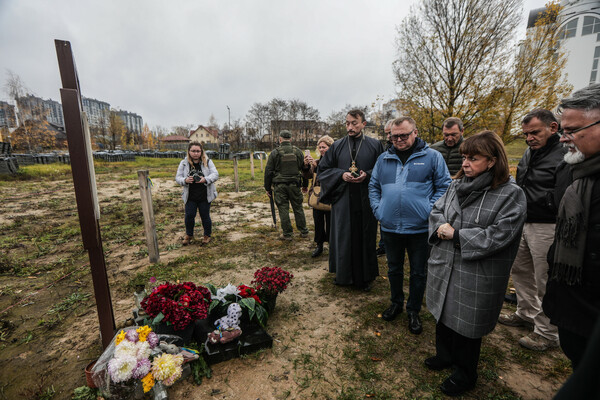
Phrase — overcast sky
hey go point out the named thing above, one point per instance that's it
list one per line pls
(178, 62)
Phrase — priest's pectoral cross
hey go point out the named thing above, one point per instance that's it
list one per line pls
(353, 170)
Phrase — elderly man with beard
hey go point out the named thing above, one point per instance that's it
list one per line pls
(572, 300)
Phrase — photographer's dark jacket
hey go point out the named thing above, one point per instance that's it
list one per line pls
(210, 174)
(536, 176)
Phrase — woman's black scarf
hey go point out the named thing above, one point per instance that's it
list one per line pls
(571, 223)
(467, 186)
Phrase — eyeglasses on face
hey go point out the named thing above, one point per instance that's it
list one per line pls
(402, 136)
(569, 134)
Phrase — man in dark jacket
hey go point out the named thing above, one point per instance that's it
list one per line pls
(344, 172)
(535, 175)
(453, 130)
(572, 300)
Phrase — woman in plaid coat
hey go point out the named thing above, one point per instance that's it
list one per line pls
(475, 229)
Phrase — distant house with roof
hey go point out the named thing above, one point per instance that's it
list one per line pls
(174, 142)
(204, 135)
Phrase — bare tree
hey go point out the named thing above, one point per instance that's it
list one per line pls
(535, 79)
(259, 120)
(278, 109)
(337, 120)
(213, 123)
(307, 114)
(16, 90)
(451, 54)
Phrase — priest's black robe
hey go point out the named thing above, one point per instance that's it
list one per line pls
(353, 229)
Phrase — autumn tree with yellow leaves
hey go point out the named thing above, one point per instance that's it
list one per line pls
(536, 78)
(34, 136)
(147, 138)
(458, 58)
(116, 131)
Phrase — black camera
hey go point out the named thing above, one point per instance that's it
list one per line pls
(196, 175)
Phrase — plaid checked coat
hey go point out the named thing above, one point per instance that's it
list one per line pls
(466, 285)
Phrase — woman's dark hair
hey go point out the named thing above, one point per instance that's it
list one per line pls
(489, 145)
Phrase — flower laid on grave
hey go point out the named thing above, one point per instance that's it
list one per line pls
(247, 291)
(167, 368)
(177, 304)
(245, 296)
(131, 357)
(271, 281)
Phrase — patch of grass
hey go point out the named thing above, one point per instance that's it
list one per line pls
(560, 368)
(71, 302)
(49, 324)
(515, 149)
(53, 171)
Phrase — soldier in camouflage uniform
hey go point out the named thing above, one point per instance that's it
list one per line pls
(283, 180)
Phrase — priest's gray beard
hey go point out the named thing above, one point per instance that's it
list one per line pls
(573, 157)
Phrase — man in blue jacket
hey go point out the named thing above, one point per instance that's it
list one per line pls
(407, 179)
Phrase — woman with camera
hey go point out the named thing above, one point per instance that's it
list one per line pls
(197, 174)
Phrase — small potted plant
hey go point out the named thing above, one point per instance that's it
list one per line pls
(269, 282)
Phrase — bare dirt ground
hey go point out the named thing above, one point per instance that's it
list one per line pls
(312, 326)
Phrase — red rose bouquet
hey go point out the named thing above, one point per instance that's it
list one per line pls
(271, 280)
(178, 304)
(247, 291)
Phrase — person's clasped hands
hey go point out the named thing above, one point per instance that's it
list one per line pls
(445, 232)
(347, 177)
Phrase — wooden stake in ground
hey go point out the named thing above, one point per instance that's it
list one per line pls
(252, 164)
(148, 210)
(235, 174)
(84, 181)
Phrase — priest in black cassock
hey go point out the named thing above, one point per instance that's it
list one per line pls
(344, 173)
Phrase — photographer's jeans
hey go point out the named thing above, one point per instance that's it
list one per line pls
(190, 216)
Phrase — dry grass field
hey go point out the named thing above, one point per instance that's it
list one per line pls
(329, 341)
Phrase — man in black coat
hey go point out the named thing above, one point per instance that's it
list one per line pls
(344, 173)
(572, 300)
(535, 175)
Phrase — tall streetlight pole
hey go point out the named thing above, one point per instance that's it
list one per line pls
(229, 114)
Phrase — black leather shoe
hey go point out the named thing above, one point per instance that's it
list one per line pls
(435, 364)
(452, 388)
(391, 312)
(380, 251)
(414, 323)
(318, 251)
